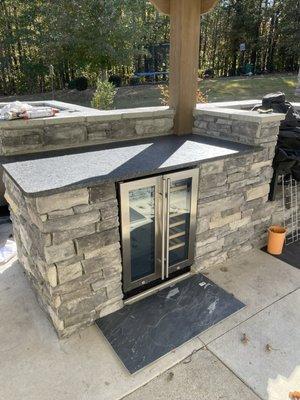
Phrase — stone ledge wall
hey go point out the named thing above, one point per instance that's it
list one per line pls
(69, 246)
(34, 136)
(233, 208)
(237, 130)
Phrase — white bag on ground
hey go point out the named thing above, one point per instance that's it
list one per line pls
(7, 251)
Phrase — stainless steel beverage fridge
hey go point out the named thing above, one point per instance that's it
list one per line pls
(158, 223)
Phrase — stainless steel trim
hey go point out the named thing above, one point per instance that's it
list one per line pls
(168, 228)
(163, 233)
(193, 216)
(156, 289)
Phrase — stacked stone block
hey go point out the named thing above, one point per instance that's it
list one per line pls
(69, 246)
(236, 130)
(233, 208)
(19, 137)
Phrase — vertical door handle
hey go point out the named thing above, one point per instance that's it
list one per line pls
(168, 228)
(163, 256)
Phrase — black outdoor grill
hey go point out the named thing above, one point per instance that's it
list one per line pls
(287, 155)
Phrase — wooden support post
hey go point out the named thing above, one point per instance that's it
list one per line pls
(184, 56)
(184, 61)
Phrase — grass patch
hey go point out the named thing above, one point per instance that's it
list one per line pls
(229, 89)
(221, 89)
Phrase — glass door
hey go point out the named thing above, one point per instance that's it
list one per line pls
(139, 224)
(181, 210)
(158, 224)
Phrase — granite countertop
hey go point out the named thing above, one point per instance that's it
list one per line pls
(59, 171)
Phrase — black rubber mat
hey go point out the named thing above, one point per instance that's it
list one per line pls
(142, 332)
(290, 254)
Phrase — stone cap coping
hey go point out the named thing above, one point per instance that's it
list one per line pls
(70, 113)
(59, 172)
(241, 104)
(237, 111)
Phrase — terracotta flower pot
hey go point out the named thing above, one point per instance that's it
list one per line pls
(276, 237)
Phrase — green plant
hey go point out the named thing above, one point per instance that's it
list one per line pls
(165, 95)
(104, 95)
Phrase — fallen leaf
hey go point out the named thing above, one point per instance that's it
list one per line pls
(268, 348)
(170, 376)
(244, 338)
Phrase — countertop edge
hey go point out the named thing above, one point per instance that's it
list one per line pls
(91, 182)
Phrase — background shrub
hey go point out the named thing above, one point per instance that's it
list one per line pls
(104, 95)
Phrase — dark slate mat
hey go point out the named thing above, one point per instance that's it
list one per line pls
(290, 254)
(142, 332)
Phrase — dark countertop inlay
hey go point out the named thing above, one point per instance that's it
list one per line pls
(58, 171)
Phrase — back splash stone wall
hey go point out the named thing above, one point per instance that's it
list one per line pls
(21, 137)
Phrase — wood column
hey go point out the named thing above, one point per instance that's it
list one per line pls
(184, 56)
(184, 61)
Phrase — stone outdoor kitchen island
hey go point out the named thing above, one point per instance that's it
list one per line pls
(66, 208)
(137, 208)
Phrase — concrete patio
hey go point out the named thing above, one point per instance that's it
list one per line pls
(216, 365)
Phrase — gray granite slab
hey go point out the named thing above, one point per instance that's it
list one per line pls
(58, 172)
(142, 332)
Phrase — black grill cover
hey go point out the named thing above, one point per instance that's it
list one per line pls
(287, 155)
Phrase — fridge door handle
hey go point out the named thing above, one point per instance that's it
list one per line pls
(167, 228)
(163, 234)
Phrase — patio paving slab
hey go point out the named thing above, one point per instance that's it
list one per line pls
(200, 377)
(36, 365)
(273, 371)
(255, 278)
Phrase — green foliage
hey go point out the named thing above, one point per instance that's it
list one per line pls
(85, 37)
(104, 95)
(269, 28)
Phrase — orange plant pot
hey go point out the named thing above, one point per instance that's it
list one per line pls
(276, 237)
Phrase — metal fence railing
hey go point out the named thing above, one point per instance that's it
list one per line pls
(291, 207)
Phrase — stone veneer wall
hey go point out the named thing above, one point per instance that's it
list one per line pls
(21, 137)
(233, 208)
(69, 246)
